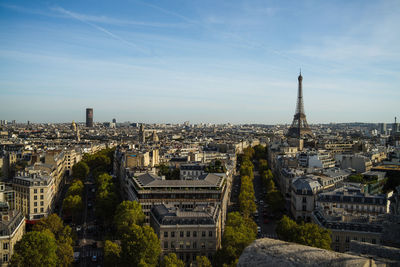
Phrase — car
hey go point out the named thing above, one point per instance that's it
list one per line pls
(77, 256)
(89, 205)
(78, 228)
(258, 230)
(266, 221)
(93, 190)
(94, 258)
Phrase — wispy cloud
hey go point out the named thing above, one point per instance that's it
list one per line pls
(109, 33)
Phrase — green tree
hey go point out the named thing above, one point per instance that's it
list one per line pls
(63, 237)
(308, 234)
(72, 205)
(202, 261)
(128, 213)
(171, 260)
(76, 188)
(239, 233)
(356, 178)
(112, 254)
(275, 201)
(103, 179)
(35, 249)
(140, 246)
(260, 152)
(80, 170)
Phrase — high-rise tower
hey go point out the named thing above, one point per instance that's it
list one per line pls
(299, 127)
(89, 117)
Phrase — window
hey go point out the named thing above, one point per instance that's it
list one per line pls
(194, 244)
(5, 245)
(35, 191)
(35, 204)
(5, 257)
(181, 244)
(373, 241)
(347, 239)
(187, 233)
(34, 197)
(41, 197)
(362, 239)
(188, 244)
(172, 234)
(41, 210)
(41, 190)
(41, 203)
(35, 210)
(172, 244)
(210, 234)
(181, 234)
(304, 200)
(203, 245)
(165, 234)
(165, 243)
(203, 234)
(194, 234)
(337, 238)
(304, 208)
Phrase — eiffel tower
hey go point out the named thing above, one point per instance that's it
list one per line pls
(299, 127)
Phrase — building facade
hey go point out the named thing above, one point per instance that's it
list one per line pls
(187, 232)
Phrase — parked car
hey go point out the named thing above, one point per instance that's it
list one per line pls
(94, 258)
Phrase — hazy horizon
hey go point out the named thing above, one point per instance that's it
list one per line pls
(207, 61)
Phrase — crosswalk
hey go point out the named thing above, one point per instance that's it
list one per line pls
(91, 253)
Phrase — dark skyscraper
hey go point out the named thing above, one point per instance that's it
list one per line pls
(299, 127)
(89, 117)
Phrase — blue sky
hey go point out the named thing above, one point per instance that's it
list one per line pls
(201, 60)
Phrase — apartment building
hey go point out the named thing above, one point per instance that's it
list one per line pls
(149, 190)
(352, 199)
(12, 228)
(187, 232)
(34, 193)
(346, 227)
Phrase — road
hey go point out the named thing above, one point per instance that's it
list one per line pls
(88, 235)
(266, 224)
(267, 228)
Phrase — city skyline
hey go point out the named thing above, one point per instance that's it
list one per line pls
(214, 62)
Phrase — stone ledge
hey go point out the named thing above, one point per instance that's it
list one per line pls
(277, 253)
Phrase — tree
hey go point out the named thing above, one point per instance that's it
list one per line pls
(128, 213)
(72, 205)
(171, 260)
(203, 261)
(80, 170)
(275, 201)
(35, 249)
(239, 233)
(63, 237)
(356, 178)
(140, 246)
(308, 234)
(76, 188)
(260, 152)
(103, 179)
(112, 253)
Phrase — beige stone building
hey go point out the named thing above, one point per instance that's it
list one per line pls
(346, 227)
(34, 193)
(12, 228)
(187, 232)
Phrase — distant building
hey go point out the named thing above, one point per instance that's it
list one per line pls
(187, 232)
(89, 117)
(383, 128)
